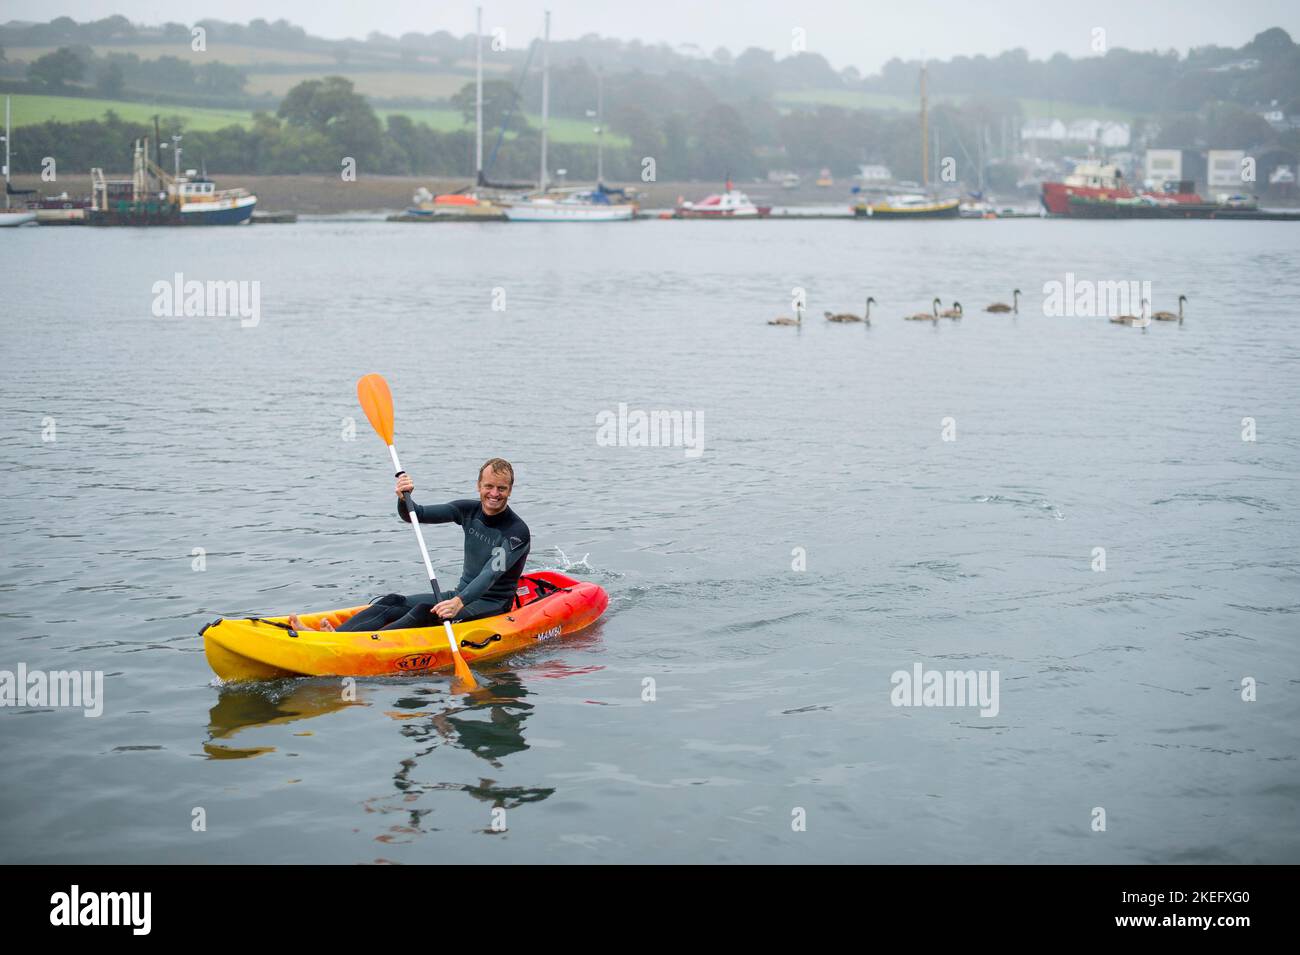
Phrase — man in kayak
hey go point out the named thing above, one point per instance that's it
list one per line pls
(496, 547)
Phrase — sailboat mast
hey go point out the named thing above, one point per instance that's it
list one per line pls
(6, 152)
(546, 93)
(478, 97)
(600, 125)
(925, 143)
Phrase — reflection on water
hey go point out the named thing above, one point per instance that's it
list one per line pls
(241, 706)
(489, 723)
(772, 684)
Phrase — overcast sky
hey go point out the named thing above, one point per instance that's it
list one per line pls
(864, 33)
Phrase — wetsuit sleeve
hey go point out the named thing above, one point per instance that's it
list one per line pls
(488, 576)
(432, 513)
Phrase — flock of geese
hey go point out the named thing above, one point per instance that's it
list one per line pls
(1136, 321)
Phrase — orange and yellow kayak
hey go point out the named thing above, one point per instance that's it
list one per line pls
(548, 605)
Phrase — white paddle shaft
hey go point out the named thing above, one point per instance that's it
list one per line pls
(424, 551)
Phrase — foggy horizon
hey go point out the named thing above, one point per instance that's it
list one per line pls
(864, 39)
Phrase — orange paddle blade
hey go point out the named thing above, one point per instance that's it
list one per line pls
(377, 402)
(463, 674)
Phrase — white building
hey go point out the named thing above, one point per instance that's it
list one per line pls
(1162, 165)
(1223, 168)
(1115, 135)
(1083, 131)
(1052, 129)
(1108, 134)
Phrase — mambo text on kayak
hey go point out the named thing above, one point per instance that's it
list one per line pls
(84, 688)
(651, 429)
(102, 908)
(212, 299)
(924, 687)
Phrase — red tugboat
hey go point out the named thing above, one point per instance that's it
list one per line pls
(1092, 186)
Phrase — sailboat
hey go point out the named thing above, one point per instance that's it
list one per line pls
(467, 204)
(11, 216)
(601, 204)
(924, 205)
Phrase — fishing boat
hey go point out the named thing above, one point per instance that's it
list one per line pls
(11, 216)
(909, 207)
(152, 196)
(731, 204)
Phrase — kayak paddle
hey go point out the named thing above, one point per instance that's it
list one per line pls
(377, 402)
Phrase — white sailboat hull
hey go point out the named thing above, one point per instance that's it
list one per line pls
(12, 218)
(569, 212)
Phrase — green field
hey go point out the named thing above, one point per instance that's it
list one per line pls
(861, 99)
(29, 110)
(562, 130)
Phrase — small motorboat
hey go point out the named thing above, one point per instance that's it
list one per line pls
(731, 204)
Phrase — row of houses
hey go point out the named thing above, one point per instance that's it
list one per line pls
(1113, 135)
(1110, 135)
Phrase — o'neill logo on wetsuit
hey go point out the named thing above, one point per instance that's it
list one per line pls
(547, 634)
(485, 538)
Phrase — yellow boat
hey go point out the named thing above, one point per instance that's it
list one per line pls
(909, 207)
(549, 605)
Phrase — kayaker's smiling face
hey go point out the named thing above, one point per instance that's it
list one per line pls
(494, 491)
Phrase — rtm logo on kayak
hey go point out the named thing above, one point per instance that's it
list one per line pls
(416, 661)
(102, 908)
(547, 634)
(194, 299)
(651, 429)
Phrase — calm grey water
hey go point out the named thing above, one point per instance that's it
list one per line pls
(1120, 689)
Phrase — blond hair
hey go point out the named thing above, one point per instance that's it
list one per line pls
(500, 466)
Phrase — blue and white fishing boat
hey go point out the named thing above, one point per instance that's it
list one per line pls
(152, 196)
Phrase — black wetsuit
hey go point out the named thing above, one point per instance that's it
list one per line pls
(496, 548)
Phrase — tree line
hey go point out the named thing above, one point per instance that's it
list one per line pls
(320, 123)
